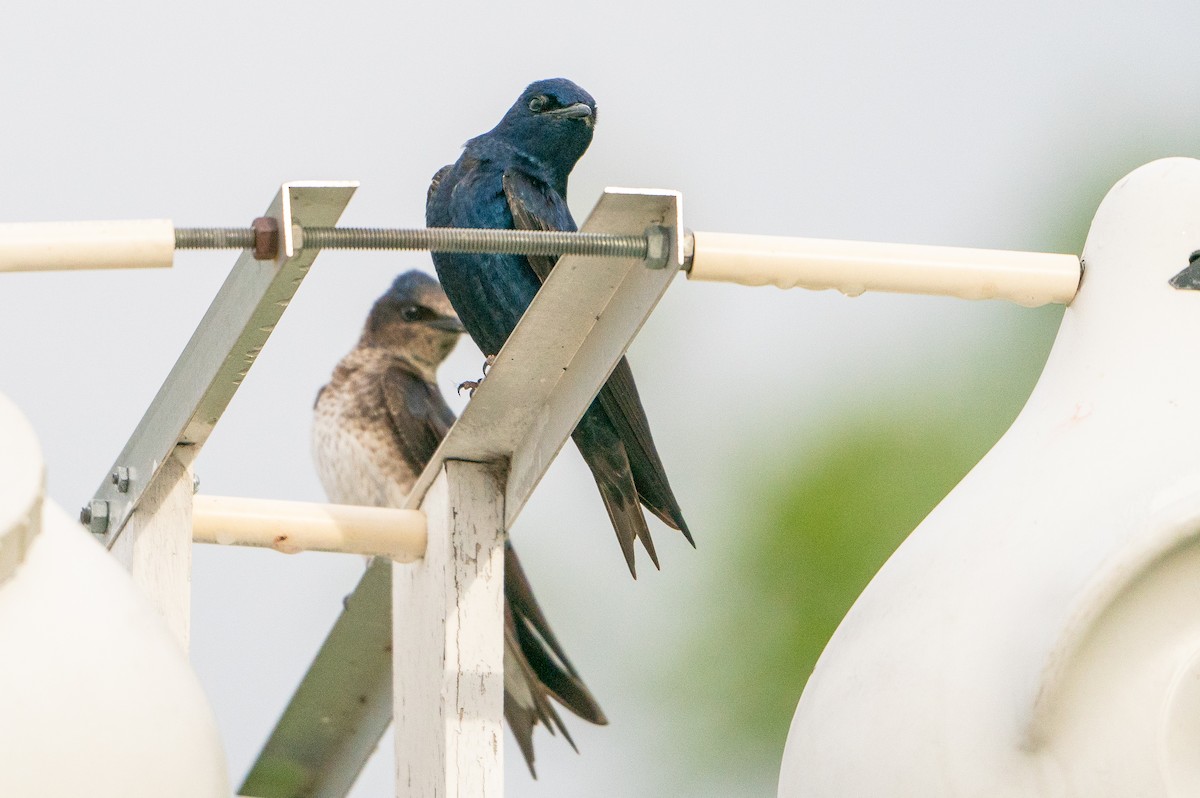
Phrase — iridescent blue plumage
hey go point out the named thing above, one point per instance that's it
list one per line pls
(515, 177)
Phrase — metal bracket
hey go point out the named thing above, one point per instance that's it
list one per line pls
(554, 363)
(218, 356)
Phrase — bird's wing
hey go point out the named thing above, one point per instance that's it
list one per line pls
(620, 400)
(542, 649)
(420, 417)
(533, 657)
(437, 179)
(535, 206)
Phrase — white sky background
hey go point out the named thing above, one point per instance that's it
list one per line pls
(965, 124)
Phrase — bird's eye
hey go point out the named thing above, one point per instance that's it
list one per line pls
(411, 312)
(539, 103)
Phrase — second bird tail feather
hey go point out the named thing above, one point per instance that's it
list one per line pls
(539, 657)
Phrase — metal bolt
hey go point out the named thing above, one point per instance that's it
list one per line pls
(266, 238)
(120, 478)
(195, 484)
(658, 246)
(95, 517)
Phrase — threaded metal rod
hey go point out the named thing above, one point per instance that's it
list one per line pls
(436, 239)
(214, 238)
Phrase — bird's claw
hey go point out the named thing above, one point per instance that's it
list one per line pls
(472, 385)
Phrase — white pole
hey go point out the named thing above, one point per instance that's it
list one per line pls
(852, 267)
(448, 628)
(292, 527)
(156, 546)
(57, 246)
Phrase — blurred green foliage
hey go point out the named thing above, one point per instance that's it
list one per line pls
(819, 519)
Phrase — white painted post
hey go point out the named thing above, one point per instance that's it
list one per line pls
(156, 546)
(448, 617)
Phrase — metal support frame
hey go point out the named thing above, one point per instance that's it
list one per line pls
(568, 342)
(448, 671)
(192, 399)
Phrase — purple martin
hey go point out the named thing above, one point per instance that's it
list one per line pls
(515, 177)
(375, 427)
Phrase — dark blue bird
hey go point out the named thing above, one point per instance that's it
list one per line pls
(515, 177)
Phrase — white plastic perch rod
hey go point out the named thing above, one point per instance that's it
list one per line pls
(292, 527)
(61, 246)
(852, 267)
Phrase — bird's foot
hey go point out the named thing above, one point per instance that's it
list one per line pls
(471, 385)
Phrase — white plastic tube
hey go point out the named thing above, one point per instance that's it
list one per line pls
(292, 527)
(63, 246)
(852, 267)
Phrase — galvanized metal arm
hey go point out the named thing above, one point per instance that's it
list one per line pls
(216, 359)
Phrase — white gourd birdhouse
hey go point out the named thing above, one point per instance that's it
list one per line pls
(96, 697)
(1039, 633)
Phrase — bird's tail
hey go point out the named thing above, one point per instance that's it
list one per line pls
(535, 667)
(606, 456)
(619, 401)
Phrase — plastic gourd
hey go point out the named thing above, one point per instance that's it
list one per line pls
(1039, 633)
(96, 697)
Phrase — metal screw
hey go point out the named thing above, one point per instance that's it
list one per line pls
(434, 239)
(120, 478)
(195, 484)
(95, 517)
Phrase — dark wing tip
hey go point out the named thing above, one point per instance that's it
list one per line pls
(687, 534)
(521, 722)
(648, 543)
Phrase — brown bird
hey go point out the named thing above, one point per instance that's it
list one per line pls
(375, 427)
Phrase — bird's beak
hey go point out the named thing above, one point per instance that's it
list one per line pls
(447, 324)
(573, 111)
